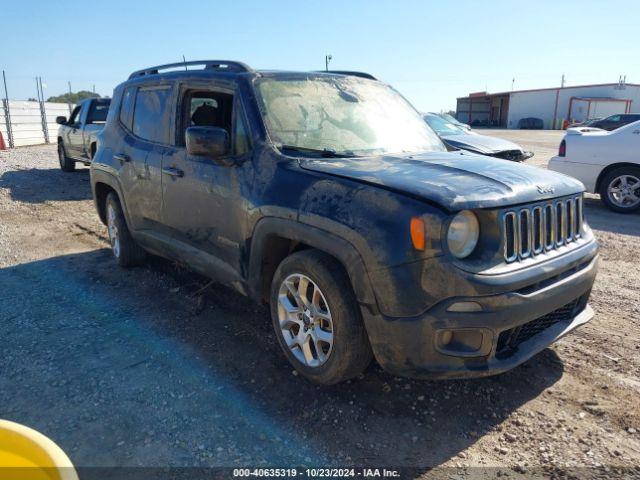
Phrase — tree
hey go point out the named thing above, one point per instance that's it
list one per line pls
(73, 97)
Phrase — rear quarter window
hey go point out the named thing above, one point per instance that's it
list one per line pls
(126, 107)
(152, 114)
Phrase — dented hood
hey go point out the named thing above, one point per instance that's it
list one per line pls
(453, 180)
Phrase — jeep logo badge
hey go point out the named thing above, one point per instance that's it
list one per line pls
(545, 189)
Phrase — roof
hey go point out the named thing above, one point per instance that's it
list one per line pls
(478, 94)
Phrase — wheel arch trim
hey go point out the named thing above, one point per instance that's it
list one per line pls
(314, 237)
(100, 176)
(609, 168)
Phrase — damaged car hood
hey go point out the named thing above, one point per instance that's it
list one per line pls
(481, 143)
(453, 180)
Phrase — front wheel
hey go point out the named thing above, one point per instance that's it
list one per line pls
(317, 319)
(66, 164)
(620, 189)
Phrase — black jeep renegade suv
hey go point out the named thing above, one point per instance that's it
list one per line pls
(327, 196)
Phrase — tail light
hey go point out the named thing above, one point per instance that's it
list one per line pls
(562, 151)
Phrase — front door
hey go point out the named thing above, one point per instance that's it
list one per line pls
(202, 200)
(74, 132)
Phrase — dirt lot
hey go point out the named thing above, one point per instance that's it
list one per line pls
(137, 368)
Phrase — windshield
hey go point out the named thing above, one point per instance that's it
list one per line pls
(442, 127)
(343, 115)
(451, 119)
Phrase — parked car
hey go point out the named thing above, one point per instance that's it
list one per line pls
(77, 136)
(453, 120)
(328, 197)
(458, 138)
(615, 121)
(586, 123)
(607, 163)
(530, 123)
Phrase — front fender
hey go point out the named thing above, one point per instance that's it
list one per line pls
(315, 237)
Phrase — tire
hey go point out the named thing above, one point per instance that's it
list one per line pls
(334, 314)
(628, 198)
(66, 164)
(125, 249)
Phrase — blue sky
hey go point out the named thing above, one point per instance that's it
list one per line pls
(432, 52)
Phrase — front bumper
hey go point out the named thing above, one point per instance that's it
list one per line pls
(513, 327)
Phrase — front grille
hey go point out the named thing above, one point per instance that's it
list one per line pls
(534, 229)
(509, 340)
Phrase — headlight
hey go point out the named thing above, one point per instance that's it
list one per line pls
(463, 233)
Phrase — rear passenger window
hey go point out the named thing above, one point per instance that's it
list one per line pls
(126, 106)
(152, 114)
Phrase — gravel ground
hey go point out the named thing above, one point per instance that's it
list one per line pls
(139, 368)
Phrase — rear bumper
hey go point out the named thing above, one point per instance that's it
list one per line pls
(512, 326)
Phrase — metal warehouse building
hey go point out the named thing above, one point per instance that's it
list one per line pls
(552, 105)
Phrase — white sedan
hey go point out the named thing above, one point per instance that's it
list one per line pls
(607, 163)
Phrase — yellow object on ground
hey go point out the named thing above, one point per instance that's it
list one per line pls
(28, 455)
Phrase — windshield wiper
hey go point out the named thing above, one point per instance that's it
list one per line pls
(325, 152)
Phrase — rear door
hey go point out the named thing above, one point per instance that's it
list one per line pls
(146, 117)
(203, 204)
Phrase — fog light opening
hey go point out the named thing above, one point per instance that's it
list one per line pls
(464, 342)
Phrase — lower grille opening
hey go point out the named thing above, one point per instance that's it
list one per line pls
(509, 340)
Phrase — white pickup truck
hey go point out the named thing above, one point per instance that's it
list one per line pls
(77, 136)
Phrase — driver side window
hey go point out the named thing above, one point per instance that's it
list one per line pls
(207, 109)
(75, 116)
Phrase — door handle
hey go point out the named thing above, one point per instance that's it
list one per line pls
(174, 172)
(636, 132)
(121, 157)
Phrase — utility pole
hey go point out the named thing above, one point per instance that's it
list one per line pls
(7, 113)
(43, 113)
(69, 101)
(562, 82)
(327, 59)
(513, 81)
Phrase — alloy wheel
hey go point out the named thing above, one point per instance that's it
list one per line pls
(624, 191)
(112, 228)
(305, 320)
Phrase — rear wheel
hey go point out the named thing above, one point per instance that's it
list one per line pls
(620, 189)
(125, 249)
(317, 319)
(66, 164)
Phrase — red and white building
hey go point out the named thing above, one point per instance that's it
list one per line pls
(552, 105)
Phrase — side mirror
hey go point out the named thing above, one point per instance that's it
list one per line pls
(61, 120)
(207, 141)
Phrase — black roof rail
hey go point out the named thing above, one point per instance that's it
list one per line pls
(350, 73)
(221, 65)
